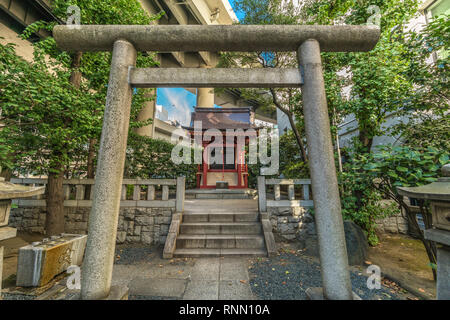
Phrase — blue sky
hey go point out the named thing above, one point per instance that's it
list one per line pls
(179, 102)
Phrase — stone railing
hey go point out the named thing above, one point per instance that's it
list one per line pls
(146, 211)
(289, 216)
(277, 201)
(144, 193)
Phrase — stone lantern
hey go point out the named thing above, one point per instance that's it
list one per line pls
(8, 192)
(438, 193)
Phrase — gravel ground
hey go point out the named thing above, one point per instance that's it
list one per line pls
(132, 255)
(9, 296)
(287, 276)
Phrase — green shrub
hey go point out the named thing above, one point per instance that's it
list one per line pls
(151, 159)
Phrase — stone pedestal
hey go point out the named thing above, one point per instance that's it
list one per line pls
(443, 273)
(443, 261)
(5, 233)
(40, 262)
(438, 193)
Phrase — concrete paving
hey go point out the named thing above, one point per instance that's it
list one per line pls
(218, 278)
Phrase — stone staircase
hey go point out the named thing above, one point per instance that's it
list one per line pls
(221, 194)
(214, 228)
(220, 234)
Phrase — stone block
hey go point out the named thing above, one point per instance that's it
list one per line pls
(39, 264)
(144, 220)
(289, 236)
(167, 213)
(311, 229)
(121, 236)
(294, 219)
(7, 233)
(391, 228)
(147, 229)
(137, 230)
(356, 242)
(133, 239)
(164, 229)
(308, 217)
(147, 237)
(128, 214)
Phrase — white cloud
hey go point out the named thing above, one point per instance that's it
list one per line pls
(180, 105)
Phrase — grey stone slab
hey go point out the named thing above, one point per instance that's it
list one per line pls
(221, 217)
(38, 264)
(209, 78)
(443, 274)
(202, 290)
(235, 290)
(7, 233)
(233, 268)
(158, 287)
(197, 217)
(440, 236)
(206, 269)
(218, 243)
(244, 241)
(194, 38)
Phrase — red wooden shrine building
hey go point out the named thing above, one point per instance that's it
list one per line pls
(233, 168)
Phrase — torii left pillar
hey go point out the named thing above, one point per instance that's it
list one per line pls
(99, 258)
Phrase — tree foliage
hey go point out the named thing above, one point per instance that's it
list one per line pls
(44, 118)
(151, 159)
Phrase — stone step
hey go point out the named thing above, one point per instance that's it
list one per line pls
(219, 241)
(221, 194)
(210, 228)
(195, 253)
(221, 217)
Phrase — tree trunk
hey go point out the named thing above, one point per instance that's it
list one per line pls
(298, 137)
(55, 204)
(6, 173)
(90, 166)
(297, 134)
(75, 76)
(55, 194)
(365, 141)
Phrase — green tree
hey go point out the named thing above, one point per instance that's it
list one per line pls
(404, 166)
(84, 72)
(44, 119)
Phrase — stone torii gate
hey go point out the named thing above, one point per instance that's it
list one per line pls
(125, 41)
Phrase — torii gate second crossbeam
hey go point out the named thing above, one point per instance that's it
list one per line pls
(124, 41)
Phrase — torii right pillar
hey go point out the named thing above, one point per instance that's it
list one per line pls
(327, 204)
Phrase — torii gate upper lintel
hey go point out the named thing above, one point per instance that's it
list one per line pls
(125, 41)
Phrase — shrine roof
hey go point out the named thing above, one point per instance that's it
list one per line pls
(223, 118)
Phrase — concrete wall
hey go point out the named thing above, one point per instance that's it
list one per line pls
(23, 48)
(349, 129)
